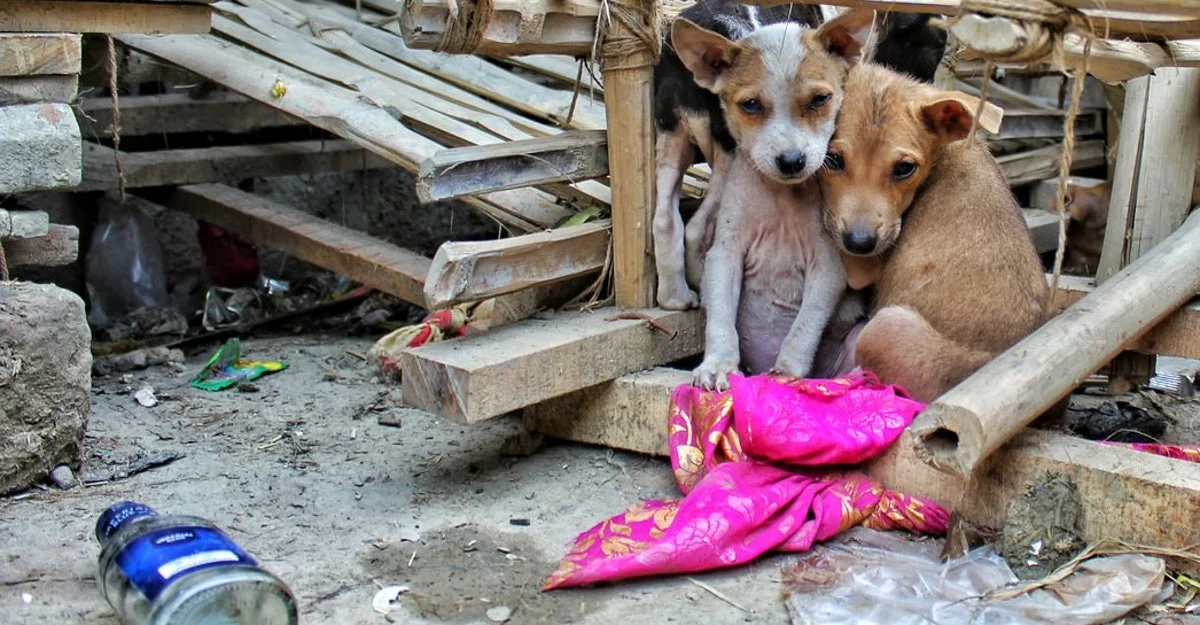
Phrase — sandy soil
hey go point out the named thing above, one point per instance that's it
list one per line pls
(302, 474)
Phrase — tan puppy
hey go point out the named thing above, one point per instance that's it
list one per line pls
(1088, 206)
(928, 218)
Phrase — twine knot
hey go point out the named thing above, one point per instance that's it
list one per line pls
(643, 26)
(469, 20)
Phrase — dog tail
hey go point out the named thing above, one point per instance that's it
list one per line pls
(901, 347)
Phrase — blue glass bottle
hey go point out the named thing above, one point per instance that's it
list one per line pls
(181, 570)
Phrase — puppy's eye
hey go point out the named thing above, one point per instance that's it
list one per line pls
(903, 170)
(833, 162)
(751, 106)
(819, 100)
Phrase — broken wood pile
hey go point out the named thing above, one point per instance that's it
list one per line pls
(600, 377)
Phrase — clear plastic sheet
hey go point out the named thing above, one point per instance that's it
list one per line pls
(125, 266)
(873, 578)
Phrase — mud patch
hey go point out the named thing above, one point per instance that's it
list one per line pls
(1042, 529)
(460, 573)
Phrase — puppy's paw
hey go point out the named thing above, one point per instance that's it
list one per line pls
(713, 373)
(679, 297)
(795, 367)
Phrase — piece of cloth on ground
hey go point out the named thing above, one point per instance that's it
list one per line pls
(762, 466)
(1187, 453)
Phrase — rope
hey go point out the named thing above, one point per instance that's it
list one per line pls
(643, 31)
(116, 115)
(4, 277)
(1045, 23)
(468, 21)
(988, 68)
(1064, 170)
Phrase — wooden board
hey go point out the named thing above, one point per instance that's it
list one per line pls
(60, 246)
(23, 224)
(223, 163)
(473, 270)
(1127, 495)
(1035, 165)
(26, 54)
(353, 254)
(482, 376)
(565, 157)
(73, 16)
(1043, 124)
(33, 89)
(173, 113)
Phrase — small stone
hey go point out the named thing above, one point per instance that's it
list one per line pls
(145, 397)
(520, 522)
(63, 477)
(499, 614)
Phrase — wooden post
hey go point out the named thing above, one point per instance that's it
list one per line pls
(1152, 185)
(969, 422)
(628, 85)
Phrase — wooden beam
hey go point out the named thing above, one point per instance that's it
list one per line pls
(566, 157)
(73, 16)
(173, 113)
(23, 224)
(466, 271)
(35, 89)
(627, 97)
(966, 424)
(32, 54)
(222, 163)
(1034, 165)
(1127, 495)
(60, 246)
(1043, 125)
(360, 257)
(478, 377)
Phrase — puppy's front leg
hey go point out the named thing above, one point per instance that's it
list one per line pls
(674, 151)
(823, 288)
(721, 291)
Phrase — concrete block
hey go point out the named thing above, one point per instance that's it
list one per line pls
(45, 381)
(40, 148)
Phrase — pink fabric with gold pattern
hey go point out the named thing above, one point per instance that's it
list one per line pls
(758, 465)
(1187, 453)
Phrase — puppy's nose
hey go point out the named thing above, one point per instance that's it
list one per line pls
(859, 241)
(790, 163)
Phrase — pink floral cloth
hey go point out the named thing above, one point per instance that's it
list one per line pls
(760, 466)
(1188, 453)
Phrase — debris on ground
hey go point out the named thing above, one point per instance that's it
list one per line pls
(1115, 420)
(1042, 530)
(136, 360)
(385, 599)
(63, 477)
(140, 465)
(226, 368)
(499, 614)
(145, 397)
(145, 323)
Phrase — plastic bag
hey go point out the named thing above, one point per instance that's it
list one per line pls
(125, 267)
(873, 578)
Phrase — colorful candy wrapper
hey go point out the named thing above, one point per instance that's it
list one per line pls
(226, 368)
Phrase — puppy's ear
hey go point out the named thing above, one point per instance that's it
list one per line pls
(1088, 205)
(949, 115)
(849, 35)
(705, 53)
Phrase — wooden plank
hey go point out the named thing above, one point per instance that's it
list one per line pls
(59, 247)
(23, 224)
(222, 163)
(1043, 227)
(628, 95)
(1152, 184)
(1042, 195)
(1127, 495)
(515, 27)
(353, 254)
(1044, 125)
(566, 157)
(1034, 165)
(73, 16)
(465, 271)
(31, 54)
(173, 113)
(34, 89)
(482, 376)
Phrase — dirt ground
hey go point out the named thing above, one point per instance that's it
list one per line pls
(302, 474)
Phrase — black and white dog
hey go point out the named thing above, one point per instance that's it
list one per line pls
(692, 128)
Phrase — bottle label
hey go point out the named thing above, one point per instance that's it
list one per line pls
(151, 561)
